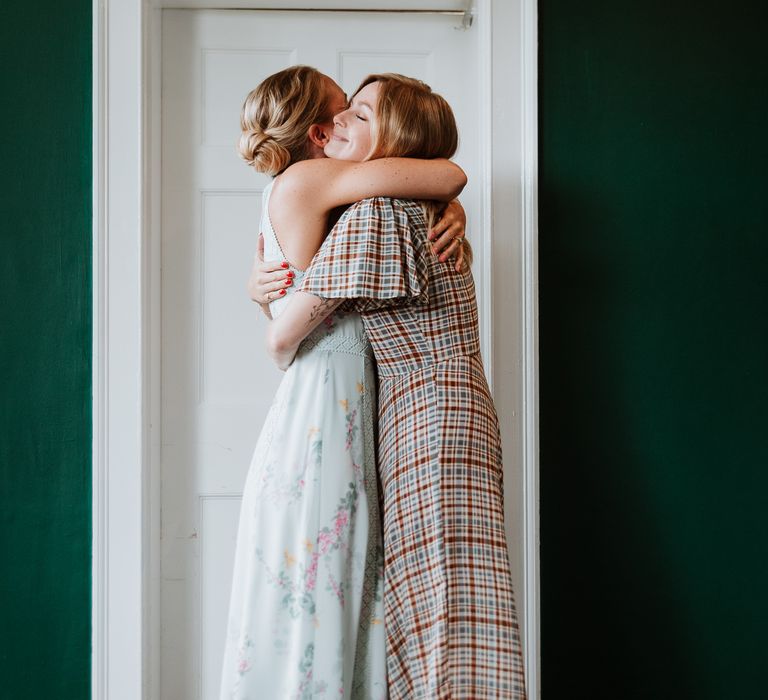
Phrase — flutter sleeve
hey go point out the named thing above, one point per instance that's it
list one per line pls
(375, 255)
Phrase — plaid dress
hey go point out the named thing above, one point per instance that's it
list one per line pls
(449, 611)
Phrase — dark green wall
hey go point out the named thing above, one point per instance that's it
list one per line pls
(654, 349)
(45, 349)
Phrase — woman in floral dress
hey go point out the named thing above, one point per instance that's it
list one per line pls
(449, 611)
(305, 616)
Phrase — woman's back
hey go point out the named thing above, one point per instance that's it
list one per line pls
(300, 222)
(340, 325)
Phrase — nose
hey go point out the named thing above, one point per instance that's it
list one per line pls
(339, 119)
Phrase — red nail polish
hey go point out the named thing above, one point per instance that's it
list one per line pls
(284, 265)
(282, 291)
(288, 282)
(289, 273)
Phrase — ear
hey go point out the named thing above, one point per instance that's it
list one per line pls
(319, 135)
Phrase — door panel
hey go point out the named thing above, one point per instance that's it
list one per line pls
(217, 381)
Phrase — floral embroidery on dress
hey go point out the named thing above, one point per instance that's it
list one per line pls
(307, 583)
(285, 485)
(244, 663)
(299, 590)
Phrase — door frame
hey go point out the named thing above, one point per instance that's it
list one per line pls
(126, 312)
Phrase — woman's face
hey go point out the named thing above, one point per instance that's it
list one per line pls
(352, 137)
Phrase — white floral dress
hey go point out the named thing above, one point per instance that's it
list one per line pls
(306, 610)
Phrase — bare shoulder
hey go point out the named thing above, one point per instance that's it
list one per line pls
(312, 172)
(312, 183)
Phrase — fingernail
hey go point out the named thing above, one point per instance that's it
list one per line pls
(443, 258)
(431, 236)
(288, 282)
(289, 273)
(282, 291)
(434, 250)
(284, 265)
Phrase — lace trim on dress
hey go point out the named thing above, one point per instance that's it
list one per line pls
(337, 343)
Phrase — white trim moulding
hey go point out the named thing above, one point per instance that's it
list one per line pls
(531, 613)
(125, 564)
(119, 425)
(100, 487)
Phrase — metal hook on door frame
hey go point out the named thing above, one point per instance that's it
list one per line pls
(467, 18)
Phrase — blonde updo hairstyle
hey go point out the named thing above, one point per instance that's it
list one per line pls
(411, 121)
(276, 117)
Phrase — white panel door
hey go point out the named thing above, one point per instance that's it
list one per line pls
(217, 381)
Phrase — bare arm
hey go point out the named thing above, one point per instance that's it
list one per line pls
(301, 316)
(332, 183)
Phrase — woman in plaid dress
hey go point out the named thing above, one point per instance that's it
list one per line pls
(450, 617)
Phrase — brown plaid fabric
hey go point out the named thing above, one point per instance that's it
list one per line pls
(449, 610)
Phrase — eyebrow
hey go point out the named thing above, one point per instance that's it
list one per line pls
(360, 103)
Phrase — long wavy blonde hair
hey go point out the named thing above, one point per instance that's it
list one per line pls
(411, 121)
(276, 117)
